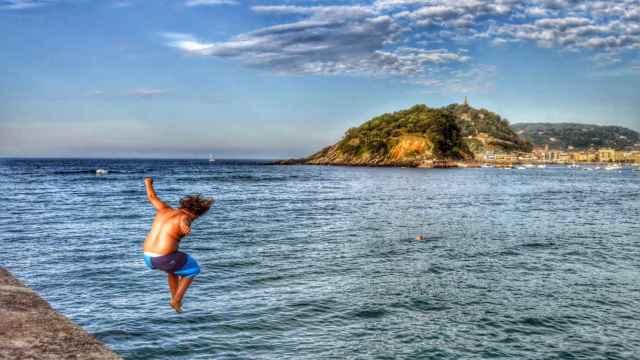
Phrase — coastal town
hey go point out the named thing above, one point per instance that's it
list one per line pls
(544, 155)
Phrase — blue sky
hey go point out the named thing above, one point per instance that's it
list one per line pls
(272, 79)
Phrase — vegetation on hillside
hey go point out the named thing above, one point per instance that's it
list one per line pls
(578, 136)
(378, 136)
(420, 134)
(473, 122)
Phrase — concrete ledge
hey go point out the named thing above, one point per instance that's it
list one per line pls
(31, 329)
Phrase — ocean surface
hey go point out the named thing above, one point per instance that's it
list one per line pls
(304, 262)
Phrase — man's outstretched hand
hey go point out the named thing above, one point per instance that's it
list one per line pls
(151, 195)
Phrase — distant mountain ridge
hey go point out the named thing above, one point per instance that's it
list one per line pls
(578, 136)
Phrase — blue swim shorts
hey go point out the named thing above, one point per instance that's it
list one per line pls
(178, 263)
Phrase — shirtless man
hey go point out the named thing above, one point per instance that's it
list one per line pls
(161, 246)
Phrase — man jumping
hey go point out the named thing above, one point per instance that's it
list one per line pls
(161, 245)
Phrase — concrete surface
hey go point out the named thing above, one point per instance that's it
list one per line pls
(31, 329)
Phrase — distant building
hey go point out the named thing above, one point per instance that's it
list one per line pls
(627, 156)
(526, 157)
(606, 155)
(564, 157)
(558, 156)
(553, 155)
(506, 157)
(539, 153)
(584, 156)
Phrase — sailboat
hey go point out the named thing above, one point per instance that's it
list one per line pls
(211, 158)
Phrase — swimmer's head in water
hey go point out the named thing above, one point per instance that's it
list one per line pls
(196, 204)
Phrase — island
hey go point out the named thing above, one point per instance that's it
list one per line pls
(421, 137)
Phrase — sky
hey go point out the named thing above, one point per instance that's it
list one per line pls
(284, 78)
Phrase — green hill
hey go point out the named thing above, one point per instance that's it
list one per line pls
(486, 130)
(578, 136)
(418, 134)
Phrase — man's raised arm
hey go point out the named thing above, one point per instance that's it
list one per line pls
(151, 195)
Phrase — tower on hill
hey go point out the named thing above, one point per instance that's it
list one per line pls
(466, 101)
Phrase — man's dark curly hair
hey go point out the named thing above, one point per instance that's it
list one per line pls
(196, 203)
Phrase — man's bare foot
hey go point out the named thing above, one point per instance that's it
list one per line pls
(176, 306)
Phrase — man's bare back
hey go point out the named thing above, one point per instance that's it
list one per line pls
(168, 228)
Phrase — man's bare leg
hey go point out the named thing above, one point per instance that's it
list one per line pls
(183, 285)
(173, 280)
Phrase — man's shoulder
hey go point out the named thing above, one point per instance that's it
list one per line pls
(167, 211)
(176, 215)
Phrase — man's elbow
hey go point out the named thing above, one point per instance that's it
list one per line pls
(153, 200)
(159, 204)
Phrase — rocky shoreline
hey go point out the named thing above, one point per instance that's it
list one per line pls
(329, 156)
(411, 164)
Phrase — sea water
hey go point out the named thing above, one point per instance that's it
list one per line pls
(318, 262)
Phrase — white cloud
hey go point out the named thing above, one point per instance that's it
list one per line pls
(420, 37)
(146, 92)
(605, 59)
(325, 12)
(187, 43)
(30, 4)
(328, 40)
(536, 12)
(477, 79)
(21, 4)
(121, 4)
(191, 3)
(562, 23)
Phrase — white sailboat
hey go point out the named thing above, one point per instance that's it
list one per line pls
(211, 158)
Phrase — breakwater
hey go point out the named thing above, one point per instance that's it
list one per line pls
(31, 329)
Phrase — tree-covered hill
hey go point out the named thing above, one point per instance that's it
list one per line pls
(578, 136)
(383, 134)
(403, 138)
(486, 130)
(418, 134)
